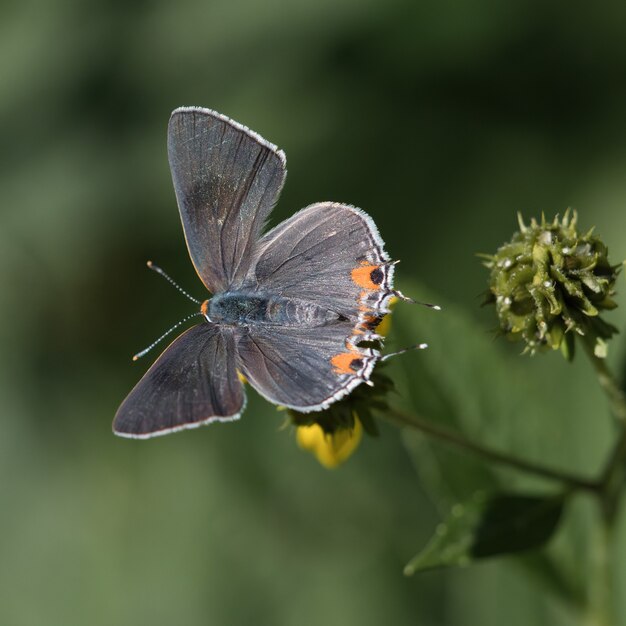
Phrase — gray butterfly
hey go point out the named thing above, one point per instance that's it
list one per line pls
(294, 310)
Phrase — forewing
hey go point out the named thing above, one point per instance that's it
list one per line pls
(328, 253)
(193, 382)
(227, 179)
(306, 369)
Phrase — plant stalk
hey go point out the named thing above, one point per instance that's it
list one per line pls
(600, 608)
(444, 434)
(611, 482)
(609, 385)
(614, 475)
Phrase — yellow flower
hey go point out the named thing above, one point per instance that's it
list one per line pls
(330, 449)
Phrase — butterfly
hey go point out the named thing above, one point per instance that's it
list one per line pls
(294, 310)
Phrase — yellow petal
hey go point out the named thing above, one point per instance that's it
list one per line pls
(330, 449)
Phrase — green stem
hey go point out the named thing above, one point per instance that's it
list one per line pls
(600, 608)
(601, 581)
(614, 474)
(607, 381)
(451, 437)
(612, 480)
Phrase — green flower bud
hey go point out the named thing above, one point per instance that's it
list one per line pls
(550, 282)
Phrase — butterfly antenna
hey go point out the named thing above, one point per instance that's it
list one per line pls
(398, 294)
(164, 335)
(419, 346)
(158, 270)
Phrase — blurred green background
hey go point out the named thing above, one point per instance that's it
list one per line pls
(441, 119)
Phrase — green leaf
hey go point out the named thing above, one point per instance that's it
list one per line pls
(542, 409)
(488, 526)
(514, 523)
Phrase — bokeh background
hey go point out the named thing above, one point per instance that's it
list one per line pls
(441, 119)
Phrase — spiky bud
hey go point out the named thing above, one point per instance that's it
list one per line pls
(550, 282)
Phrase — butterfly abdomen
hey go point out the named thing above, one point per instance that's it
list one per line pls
(243, 308)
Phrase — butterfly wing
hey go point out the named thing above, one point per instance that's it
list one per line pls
(193, 382)
(227, 179)
(332, 255)
(306, 369)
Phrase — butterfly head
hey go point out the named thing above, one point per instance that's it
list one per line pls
(204, 310)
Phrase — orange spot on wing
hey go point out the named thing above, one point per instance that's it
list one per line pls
(365, 275)
(342, 362)
(204, 307)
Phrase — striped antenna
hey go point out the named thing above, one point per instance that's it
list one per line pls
(158, 270)
(419, 346)
(164, 335)
(398, 294)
